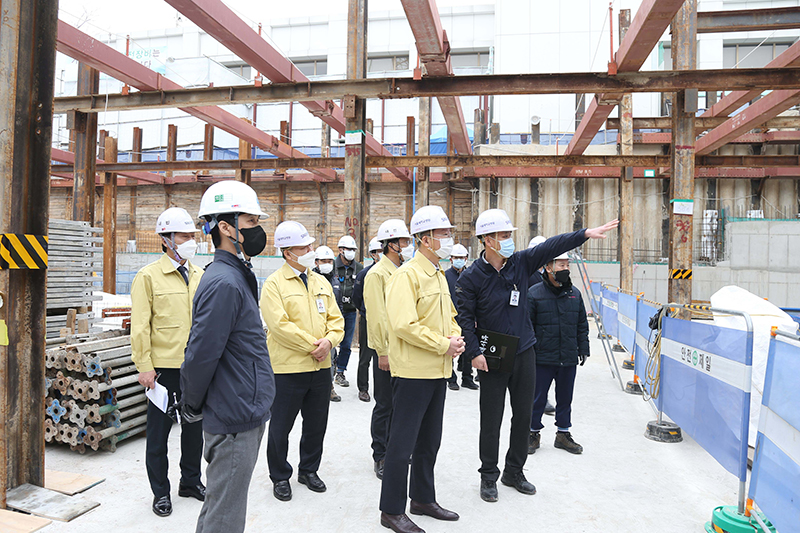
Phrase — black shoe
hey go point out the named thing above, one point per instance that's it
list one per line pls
(550, 409)
(312, 481)
(379, 468)
(565, 442)
(519, 482)
(282, 490)
(533, 442)
(198, 492)
(452, 385)
(469, 384)
(488, 490)
(162, 506)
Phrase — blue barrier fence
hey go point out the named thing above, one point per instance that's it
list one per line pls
(775, 481)
(608, 312)
(626, 321)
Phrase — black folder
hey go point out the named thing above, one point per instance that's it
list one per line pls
(498, 349)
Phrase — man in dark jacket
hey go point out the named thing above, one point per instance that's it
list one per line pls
(345, 269)
(562, 333)
(490, 296)
(365, 353)
(324, 266)
(226, 374)
(458, 261)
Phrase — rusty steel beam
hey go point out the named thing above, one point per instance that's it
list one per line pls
(62, 156)
(76, 44)
(27, 78)
(219, 21)
(736, 99)
(700, 123)
(770, 137)
(434, 53)
(391, 88)
(769, 19)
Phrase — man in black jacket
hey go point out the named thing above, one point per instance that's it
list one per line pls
(458, 260)
(562, 332)
(365, 353)
(324, 266)
(490, 296)
(226, 374)
(345, 269)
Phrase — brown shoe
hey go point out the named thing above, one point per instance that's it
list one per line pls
(363, 396)
(400, 523)
(434, 510)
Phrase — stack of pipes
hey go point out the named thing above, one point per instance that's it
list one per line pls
(93, 395)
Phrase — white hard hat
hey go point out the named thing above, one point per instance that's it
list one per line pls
(323, 252)
(393, 229)
(565, 255)
(536, 241)
(290, 233)
(347, 242)
(459, 251)
(493, 221)
(229, 197)
(428, 218)
(175, 220)
(375, 245)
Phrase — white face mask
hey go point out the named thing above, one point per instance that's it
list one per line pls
(185, 250)
(408, 252)
(325, 268)
(349, 254)
(445, 247)
(308, 260)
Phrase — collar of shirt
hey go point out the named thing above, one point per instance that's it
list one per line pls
(175, 263)
(483, 257)
(297, 272)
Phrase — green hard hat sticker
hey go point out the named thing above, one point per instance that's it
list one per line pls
(219, 198)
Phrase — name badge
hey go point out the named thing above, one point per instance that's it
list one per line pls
(320, 305)
(514, 298)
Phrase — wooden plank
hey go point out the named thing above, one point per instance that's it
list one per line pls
(13, 522)
(48, 503)
(69, 483)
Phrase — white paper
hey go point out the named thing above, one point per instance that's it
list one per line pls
(159, 396)
(683, 207)
(353, 137)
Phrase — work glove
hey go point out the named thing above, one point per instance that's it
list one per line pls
(582, 359)
(182, 413)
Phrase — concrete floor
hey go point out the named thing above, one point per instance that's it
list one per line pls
(622, 482)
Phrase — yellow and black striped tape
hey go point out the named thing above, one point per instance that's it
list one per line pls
(23, 251)
(696, 307)
(681, 273)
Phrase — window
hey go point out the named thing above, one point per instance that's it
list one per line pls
(470, 59)
(313, 67)
(751, 55)
(387, 63)
(240, 69)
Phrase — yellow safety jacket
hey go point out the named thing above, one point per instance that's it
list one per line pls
(375, 302)
(161, 314)
(297, 316)
(421, 317)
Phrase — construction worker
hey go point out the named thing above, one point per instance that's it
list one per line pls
(365, 353)
(304, 324)
(227, 377)
(490, 297)
(161, 317)
(346, 268)
(423, 340)
(562, 343)
(324, 267)
(458, 262)
(536, 278)
(397, 248)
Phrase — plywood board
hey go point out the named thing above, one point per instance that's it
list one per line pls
(13, 522)
(68, 483)
(47, 503)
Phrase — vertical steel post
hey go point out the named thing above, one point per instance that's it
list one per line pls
(110, 219)
(626, 176)
(136, 156)
(85, 127)
(424, 173)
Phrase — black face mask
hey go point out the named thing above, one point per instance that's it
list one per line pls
(562, 276)
(255, 240)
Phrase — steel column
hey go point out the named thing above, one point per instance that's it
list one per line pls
(110, 220)
(424, 143)
(85, 127)
(626, 226)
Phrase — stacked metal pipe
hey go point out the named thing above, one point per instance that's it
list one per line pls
(94, 399)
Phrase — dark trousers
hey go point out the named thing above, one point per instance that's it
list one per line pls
(382, 412)
(520, 385)
(564, 376)
(365, 355)
(307, 393)
(416, 433)
(465, 367)
(158, 428)
(344, 348)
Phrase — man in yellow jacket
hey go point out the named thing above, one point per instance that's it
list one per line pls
(423, 340)
(397, 248)
(304, 323)
(161, 317)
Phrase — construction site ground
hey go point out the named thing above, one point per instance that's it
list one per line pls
(622, 481)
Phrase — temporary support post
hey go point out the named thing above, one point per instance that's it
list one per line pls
(684, 57)
(424, 173)
(172, 155)
(626, 176)
(110, 219)
(322, 188)
(281, 202)
(354, 113)
(136, 156)
(245, 152)
(27, 78)
(85, 128)
(208, 143)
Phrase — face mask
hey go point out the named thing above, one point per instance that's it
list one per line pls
(445, 247)
(506, 248)
(349, 254)
(309, 260)
(407, 253)
(187, 249)
(325, 268)
(459, 263)
(562, 276)
(255, 240)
